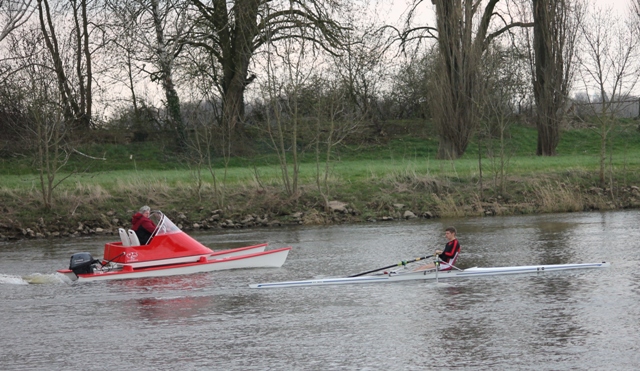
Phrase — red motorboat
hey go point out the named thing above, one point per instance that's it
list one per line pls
(169, 252)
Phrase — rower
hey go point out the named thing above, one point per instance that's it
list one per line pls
(445, 258)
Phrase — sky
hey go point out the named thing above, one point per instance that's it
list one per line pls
(394, 11)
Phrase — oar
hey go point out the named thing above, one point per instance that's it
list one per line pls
(402, 263)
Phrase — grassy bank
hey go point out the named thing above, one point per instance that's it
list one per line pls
(395, 178)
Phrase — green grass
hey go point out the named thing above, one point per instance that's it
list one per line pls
(403, 152)
(346, 170)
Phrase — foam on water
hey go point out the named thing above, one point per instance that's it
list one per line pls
(12, 280)
(38, 278)
(34, 278)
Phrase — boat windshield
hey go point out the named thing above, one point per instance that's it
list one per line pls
(163, 224)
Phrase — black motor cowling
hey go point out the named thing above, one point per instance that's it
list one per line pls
(82, 263)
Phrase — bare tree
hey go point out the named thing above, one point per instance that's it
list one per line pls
(158, 28)
(167, 52)
(204, 140)
(207, 139)
(505, 82)
(233, 31)
(13, 13)
(48, 137)
(464, 30)
(362, 69)
(556, 25)
(609, 71)
(288, 71)
(336, 119)
(199, 154)
(411, 87)
(38, 118)
(77, 100)
(635, 9)
(124, 50)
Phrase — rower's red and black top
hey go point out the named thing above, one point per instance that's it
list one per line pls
(450, 252)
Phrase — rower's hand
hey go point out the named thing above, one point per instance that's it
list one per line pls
(438, 252)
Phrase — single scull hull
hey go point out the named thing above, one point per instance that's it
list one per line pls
(430, 275)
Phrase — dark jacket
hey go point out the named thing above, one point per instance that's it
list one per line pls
(450, 250)
(143, 227)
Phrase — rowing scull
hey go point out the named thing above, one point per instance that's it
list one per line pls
(430, 275)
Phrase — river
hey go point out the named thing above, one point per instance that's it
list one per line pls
(572, 320)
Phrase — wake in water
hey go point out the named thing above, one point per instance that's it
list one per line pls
(12, 280)
(35, 278)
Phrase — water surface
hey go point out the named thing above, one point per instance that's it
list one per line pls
(573, 320)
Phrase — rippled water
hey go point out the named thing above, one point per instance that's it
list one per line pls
(573, 320)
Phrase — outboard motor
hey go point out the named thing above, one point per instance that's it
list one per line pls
(82, 263)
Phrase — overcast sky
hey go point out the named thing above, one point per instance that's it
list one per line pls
(394, 11)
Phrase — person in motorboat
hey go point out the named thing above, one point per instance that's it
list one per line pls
(447, 257)
(142, 225)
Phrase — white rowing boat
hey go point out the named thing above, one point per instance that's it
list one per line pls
(430, 275)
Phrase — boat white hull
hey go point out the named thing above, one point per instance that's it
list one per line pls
(430, 275)
(265, 259)
(195, 258)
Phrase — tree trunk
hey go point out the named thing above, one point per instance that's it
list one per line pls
(553, 40)
(88, 113)
(548, 133)
(83, 57)
(77, 107)
(234, 30)
(461, 46)
(236, 58)
(233, 101)
(70, 106)
(165, 65)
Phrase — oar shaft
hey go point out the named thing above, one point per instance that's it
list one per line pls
(402, 263)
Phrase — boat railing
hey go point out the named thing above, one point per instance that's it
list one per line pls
(160, 216)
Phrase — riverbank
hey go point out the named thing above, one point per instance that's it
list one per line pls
(91, 209)
(394, 179)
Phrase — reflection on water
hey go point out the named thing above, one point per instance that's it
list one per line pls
(162, 284)
(555, 320)
(553, 240)
(158, 310)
